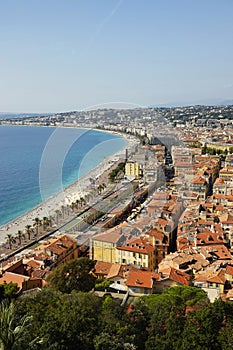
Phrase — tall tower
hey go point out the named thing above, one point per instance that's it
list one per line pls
(126, 154)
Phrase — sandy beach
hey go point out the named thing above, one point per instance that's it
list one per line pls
(80, 188)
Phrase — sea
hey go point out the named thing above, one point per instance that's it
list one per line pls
(38, 162)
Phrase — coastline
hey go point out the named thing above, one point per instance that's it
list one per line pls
(74, 191)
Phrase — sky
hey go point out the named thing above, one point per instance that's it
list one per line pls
(63, 55)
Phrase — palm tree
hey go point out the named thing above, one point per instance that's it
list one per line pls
(82, 201)
(57, 215)
(72, 206)
(28, 231)
(63, 211)
(68, 209)
(87, 197)
(37, 223)
(12, 331)
(99, 189)
(20, 235)
(45, 223)
(50, 221)
(10, 240)
(77, 203)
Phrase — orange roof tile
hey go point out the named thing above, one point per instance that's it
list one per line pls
(229, 270)
(102, 268)
(139, 245)
(14, 278)
(141, 279)
(179, 277)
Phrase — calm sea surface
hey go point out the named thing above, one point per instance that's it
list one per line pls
(29, 156)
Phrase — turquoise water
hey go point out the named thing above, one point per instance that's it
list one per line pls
(37, 162)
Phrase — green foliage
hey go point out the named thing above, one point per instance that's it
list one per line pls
(12, 330)
(214, 150)
(189, 295)
(115, 173)
(106, 341)
(84, 321)
(102, 285)
(202, 328)
(63, 321)
(10, 290)
(73, 275)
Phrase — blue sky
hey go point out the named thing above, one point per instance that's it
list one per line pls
(60, 55)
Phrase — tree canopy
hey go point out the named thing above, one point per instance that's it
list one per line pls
(73, 275)
(55, 320)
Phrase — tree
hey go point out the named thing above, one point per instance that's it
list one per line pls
(37, 223)
(81, 324)
(225, 337)
(139, 319)
(63, 321)
(167, 315)
(11, 332)
(106, 341)
(115, 327)
(10, 290)
(28, 230)
(10, 240)
(189, 295)
(63, 211)
(45, 223)
(82, 201)
(58, 213)
(20, 235)
(73, 275)
(202, 328)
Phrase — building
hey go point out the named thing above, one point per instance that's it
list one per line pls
(59, 249)
(103, 245)
(138, 252)
(132, 170)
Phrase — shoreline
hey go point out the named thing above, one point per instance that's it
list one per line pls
(74, 191)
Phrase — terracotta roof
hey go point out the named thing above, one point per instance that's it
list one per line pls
(41, 257)
(141, 279)
(109, 236)
(162, 222)
(33, 264)
(160, 196)
(211, 276)
(220, 251)
(226, 218)
(139, 245)
(14, 278)
(229, 294)
(39, 273)
(198, 180)
(102, 268)
(208, 237)
(179, 277)
(156, 234)
(229, 270)
(114, 271)
(218, 278)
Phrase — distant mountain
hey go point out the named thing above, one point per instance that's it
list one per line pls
(210, 102)
(225, 103)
